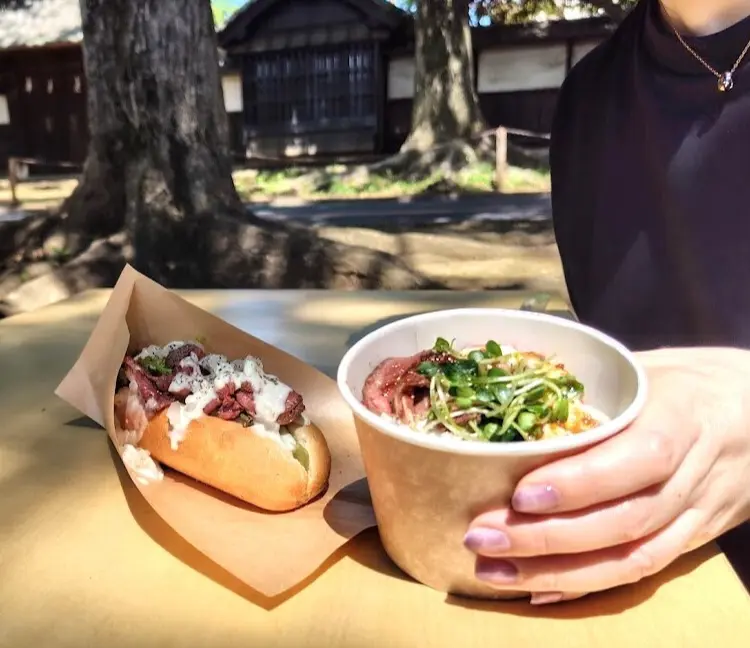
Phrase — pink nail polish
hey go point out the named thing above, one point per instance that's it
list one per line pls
(546, 598)
(497, 572)
(481, 539)
(535, 499)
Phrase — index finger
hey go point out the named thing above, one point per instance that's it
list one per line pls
(644, 455)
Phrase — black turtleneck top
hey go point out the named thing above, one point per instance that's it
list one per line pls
(651, 186)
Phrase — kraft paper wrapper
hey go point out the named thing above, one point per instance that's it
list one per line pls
(270, 552)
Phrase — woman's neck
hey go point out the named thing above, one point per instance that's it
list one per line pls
(704, 17)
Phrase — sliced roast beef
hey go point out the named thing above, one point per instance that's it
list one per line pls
(230, 401)
(227, 390)
(377, 392)
(177, 355)
(212, 406)
(247, 401)
(163, 382)
(383, 385)
(293, 410)
(463, 419)
(229, 410)
(411, 396)
(154, 401)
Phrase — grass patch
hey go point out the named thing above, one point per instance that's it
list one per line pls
(267, 185)
(257, 186)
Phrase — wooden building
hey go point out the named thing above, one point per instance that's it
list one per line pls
(301, 78)
(327, 77)
(42, 83)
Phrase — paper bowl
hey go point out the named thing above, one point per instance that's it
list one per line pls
(426, 489)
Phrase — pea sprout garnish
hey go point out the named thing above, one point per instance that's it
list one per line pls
(496, 394)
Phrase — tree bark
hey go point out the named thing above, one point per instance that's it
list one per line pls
(446, 104)
(158, 163)
(159, 170)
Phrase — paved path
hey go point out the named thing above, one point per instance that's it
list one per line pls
(422, 211)
(10, 214)
(417, 211)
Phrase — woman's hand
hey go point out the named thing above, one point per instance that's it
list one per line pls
(626, 508)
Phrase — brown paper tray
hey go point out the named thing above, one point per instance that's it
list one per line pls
(270, 552)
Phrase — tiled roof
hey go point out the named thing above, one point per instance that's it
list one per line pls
(41, 22)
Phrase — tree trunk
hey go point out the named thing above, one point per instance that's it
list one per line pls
(158, 162)
(159, 170)
(446, 104)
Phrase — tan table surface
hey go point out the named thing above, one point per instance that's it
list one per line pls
(84, 563)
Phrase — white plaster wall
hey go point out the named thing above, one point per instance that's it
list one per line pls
(232, 87)
(4, 113)
(401, 78)
(521, 68)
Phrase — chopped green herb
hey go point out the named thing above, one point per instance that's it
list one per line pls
(155, 365)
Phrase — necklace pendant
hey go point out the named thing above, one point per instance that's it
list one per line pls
(726, 82)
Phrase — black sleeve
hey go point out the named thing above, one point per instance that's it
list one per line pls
(573, 168)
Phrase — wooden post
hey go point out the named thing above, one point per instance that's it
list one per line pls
(13, 181)
(501, 158)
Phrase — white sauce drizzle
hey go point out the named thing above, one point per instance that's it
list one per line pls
(140, 462)
(162, 351)
(269, 393)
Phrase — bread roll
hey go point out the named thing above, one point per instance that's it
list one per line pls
(275, 471)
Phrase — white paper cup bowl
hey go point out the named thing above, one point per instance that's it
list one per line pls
(426, 488)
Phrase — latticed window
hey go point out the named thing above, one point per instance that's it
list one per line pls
(311, 89)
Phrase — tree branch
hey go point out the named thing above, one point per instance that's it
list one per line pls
(613, 10)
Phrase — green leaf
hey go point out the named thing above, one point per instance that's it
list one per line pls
(570, 386)
(540, 411)
(466, 392)
(442, 345)
(490, 429)
(561, 410)
(460, 372)
(485, 396)
(476, 356)
(428, 369)
(535, 394)
(155, 365)
(527, 421)
(503, 394)
(508, 437)
(494, 350)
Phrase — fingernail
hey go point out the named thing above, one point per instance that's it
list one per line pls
(482, 539)
(535, 499)
(545, 598)
(499, 572)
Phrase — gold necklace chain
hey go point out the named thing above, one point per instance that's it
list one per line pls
(726, 80)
